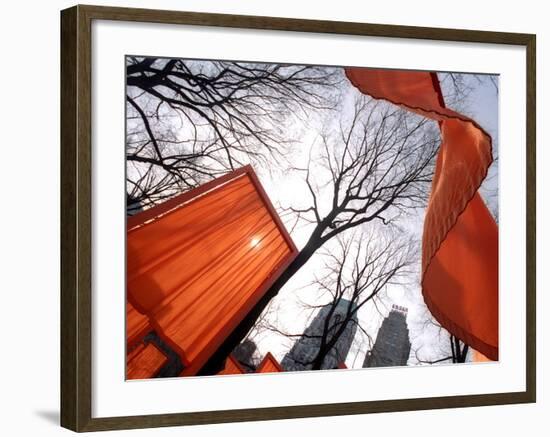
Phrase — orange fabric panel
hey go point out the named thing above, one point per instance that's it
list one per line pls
(416, 91)
(232, 367)
(342, 365)
(137, 325)
(134, 352)
(144, 362)
(269, 365)
(198, 269)
(460, 240)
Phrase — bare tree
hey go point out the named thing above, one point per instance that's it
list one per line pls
(356, 271)
(459, 86)
(451, 348)
(190, 121)
(458, 353)
(379, 164)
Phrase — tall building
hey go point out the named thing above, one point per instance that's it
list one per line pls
(392, 346)
(306, 347)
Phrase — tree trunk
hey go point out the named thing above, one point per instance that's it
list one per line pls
(326, 346)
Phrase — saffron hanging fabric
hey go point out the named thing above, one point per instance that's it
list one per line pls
(137, 326)
(460, 237)
(197, 265)
(269, 365)
(145, 361)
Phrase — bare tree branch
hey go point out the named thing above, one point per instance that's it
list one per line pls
(190, 121)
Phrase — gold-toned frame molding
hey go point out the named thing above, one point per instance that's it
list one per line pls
(76, 217)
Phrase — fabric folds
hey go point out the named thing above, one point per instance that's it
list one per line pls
(460, 237)
(197, 269)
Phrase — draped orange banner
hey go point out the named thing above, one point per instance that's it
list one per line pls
(197, 264)
(460, 239)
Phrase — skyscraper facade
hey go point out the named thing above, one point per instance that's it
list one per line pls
(392, 346)
(306, 348)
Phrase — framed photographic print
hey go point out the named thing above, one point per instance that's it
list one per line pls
(267, 218)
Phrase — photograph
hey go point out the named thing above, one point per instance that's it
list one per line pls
(267, 219)
(288, 218)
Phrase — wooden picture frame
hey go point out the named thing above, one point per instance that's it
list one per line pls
(76, 217)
